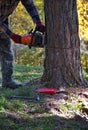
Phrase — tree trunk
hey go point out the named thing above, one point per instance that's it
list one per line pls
(62, 66)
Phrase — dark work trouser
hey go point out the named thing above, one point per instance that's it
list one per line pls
(6, 59)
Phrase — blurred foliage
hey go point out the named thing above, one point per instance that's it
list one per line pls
(83, 18)
(31, 56)
(83, 30)
(21, 22)
(84, 61)
(85, 74)
(84, 55)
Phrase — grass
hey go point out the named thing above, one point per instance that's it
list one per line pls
(20, 114)
(27, 72)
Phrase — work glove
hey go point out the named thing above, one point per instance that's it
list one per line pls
(40, 27)
(31, 39)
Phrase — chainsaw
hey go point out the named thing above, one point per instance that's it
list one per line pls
(37, 39)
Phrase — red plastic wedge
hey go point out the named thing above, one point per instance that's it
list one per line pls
(47, 90)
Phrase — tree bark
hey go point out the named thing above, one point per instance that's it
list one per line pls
(62, 66)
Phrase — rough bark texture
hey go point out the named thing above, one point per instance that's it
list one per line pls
(62, 65)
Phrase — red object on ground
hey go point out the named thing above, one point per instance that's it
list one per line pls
(51, 91)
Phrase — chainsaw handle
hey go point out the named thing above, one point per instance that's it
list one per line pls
(33, 33)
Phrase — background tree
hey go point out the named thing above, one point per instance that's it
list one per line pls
(62, 66)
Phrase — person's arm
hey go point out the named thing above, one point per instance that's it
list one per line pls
(32, 10)
(4, 29)
(25, 40)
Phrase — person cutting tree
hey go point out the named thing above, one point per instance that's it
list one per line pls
(6, 57)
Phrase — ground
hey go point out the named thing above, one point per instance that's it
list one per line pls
(62, 111)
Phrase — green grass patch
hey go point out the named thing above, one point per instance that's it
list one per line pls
(27, 72)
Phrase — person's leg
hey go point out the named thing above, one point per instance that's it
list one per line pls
(6, 64)
(6, 61)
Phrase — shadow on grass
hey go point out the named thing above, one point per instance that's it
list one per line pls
(43, 122)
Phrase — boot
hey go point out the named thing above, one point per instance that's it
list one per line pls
(12, 85)
(7, 71)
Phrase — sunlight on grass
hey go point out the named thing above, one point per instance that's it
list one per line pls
(26, 72)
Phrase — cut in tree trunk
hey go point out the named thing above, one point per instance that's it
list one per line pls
(62, 66)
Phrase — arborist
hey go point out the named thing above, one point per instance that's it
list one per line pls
(6, 56)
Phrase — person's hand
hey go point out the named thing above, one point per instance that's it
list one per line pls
(40, 27)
